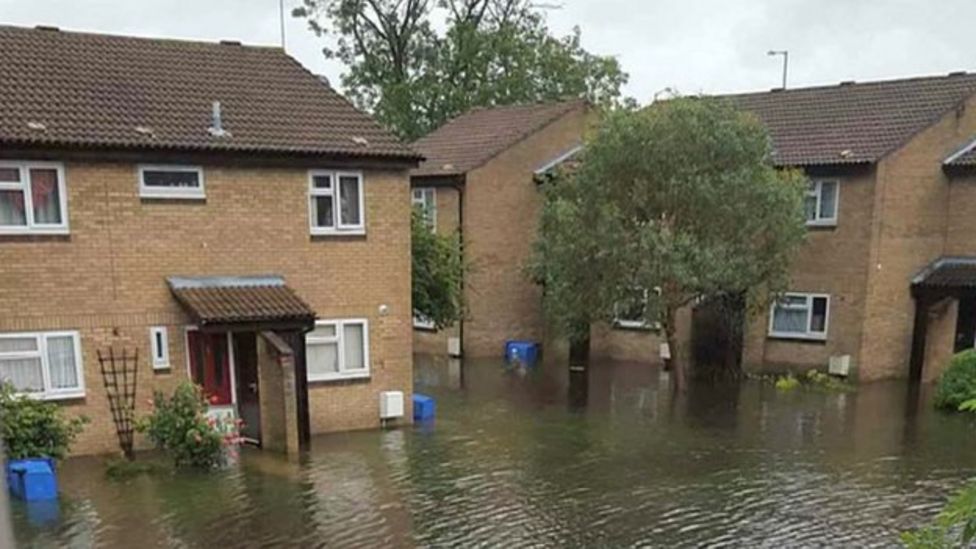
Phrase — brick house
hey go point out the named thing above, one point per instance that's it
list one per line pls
(215, 207)
(482, 174)
(886, 276)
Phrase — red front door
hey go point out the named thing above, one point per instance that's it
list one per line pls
(210, 365)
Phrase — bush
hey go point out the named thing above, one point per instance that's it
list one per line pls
(35, 428)
(958, 382)
(179, 426)
(955, 525)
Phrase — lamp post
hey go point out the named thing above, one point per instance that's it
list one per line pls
(786, 61)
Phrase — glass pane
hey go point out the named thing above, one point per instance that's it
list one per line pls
(170, 179)
(45, 196)
(828, 200)
(790, 320)
(352, 345)
(810, 208)
(322, 181)
(322, 358)
(61, 360)
(818, 321)
(324, 330)
(322, 211)
(9, 175)
(633, 306)
(12, 208)
(18, 344)
(24, 373)
(349, 198)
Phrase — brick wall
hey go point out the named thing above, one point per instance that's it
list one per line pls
(107, 279)
(832, 261)
(911, 230)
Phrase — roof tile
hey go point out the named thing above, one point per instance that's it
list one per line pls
(470, 140)
(117, 91)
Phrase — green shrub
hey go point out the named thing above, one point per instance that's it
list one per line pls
(787, 383)
(968, 406)
(35, 428)
(955, 525)
(958, 382)
(179, 426)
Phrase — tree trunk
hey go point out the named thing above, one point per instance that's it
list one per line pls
(676, 362)
(579, 350)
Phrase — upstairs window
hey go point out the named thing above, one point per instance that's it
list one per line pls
(425, 198)
(43, 365)
(335, 202)
(800, 316)
(820, 203)
(182, 182)
(32, 198)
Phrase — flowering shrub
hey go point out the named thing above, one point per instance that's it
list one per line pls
(179, 425)
(958, 382)
(33, 428)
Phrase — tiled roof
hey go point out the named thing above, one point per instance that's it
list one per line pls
(470, 140)
(948, 273)
(853, 123)
(77, 89)
(964, 157)
(226, 300)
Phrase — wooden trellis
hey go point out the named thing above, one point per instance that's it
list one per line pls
(119, 377)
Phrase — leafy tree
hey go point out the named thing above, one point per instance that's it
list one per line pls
(438, 272)
(679, 199)
(414, 73)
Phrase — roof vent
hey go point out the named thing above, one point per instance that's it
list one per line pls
(216, 123)
(361, 141)
(847, 83)
(37, 126)
(47, 28)
(145, 130)
(957, 73)
(231, 42)
(846, 153)
(777, 89)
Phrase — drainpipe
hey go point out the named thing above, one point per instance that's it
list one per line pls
(459, 185)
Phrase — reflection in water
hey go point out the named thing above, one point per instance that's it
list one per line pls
(553, 457)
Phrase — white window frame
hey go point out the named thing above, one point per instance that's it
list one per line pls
(625, 324)
(817, 192)
(339, 324)
(338, 227)
(23, 186)
(159, 346)
(429, 208)
(49, 393)
(182, 193)
(808, 334)
(422, 323)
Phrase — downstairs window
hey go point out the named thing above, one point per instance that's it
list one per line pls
(43, 365)
(800, 316)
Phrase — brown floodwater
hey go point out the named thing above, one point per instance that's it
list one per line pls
(549, 458)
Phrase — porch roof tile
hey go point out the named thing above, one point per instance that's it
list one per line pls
(229, 300)
(948, 273)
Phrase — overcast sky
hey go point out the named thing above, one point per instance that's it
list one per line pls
(690, 45)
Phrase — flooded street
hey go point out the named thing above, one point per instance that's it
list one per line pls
(549, 458)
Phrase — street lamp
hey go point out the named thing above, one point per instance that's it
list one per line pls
(786, 61)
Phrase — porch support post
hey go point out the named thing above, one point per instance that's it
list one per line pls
(919, 335)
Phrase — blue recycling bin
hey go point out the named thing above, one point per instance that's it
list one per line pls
(32, 479)
(424, 407)
(523, 352)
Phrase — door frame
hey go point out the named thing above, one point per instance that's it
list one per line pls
(237, 403)
(231, 362)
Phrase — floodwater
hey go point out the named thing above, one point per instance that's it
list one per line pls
(549, 458)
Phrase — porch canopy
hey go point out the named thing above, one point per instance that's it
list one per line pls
(238, 303)
(946, 277)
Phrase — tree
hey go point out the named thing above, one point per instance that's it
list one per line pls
(678, 200)
(438, 273)
(414, 77)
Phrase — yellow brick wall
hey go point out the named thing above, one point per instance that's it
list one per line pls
(832, 261)
(912, 229)
(107, 278)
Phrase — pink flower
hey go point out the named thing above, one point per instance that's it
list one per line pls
(214, 399)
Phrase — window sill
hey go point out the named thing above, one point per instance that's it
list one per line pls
(634, 327)
(338, 232)
(338, 378)
(822, 224)
(73, 395)
(17, 231)
(799, 338)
